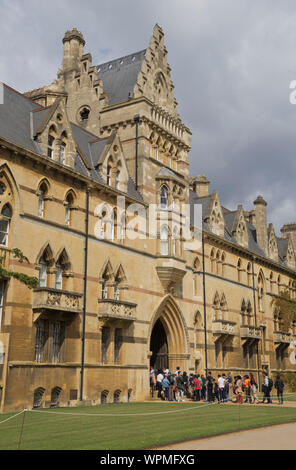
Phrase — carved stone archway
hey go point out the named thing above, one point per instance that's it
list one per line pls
(172, 346)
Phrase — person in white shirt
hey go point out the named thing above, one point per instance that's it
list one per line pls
(221, 385)
(159, 380)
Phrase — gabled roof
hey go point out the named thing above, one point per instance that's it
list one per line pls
(21, 119)
(119, 76)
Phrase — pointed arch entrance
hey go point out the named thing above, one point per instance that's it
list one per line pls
(168, 337)
(159, 347)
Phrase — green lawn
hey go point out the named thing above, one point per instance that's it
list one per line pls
(164, 423)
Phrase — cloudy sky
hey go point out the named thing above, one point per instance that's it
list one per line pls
(232, 64)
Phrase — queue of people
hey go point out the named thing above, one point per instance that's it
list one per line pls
(178, 386)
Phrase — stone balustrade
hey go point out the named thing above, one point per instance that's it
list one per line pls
(282, 337)
(110, 309)
(252, 332)
(54, 299)
(223, 327)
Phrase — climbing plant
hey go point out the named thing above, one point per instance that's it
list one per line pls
(29, 281)
(287, 308)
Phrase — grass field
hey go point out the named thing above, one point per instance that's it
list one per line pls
(132, 426)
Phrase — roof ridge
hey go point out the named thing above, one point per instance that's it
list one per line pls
(123, 57)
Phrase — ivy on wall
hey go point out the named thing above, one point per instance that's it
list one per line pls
(29, 281)
(287, 308)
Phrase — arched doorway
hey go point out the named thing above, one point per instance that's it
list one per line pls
(159, 347)
(169, 342)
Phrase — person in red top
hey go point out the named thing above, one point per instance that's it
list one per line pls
(247, 389)
(196, 385)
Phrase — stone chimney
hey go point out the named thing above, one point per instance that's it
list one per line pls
(73, 51)
(261, 223)
(290, 229)
(200, 185)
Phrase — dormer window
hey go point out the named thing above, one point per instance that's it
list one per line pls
(108, 175)
(50, 146)
(62, 151)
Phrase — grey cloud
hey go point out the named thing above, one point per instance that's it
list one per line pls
(232, 62)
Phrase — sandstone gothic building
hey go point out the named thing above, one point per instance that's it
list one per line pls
(81, 161)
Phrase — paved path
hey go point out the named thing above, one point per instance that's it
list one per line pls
(279, 437)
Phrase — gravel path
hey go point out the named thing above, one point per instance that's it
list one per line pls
(279, 437)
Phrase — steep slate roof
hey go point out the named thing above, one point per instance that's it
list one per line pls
(15, 119)
(21, 118)
(119, 76)
(229, 217)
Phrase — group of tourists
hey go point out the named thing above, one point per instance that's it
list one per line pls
(179, 385)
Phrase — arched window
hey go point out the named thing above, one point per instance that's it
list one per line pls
(218, 263)
(103, 225)
(38, 395)
(279, 284)
(55, 394)
(164, 240)
(213, 260)
(216, 308)
(239, 270)
(63, 266)
(51, 142)
(261, 292)
(104, 396)
(109, 168)
(243, 312)
(223, 258)
(42, 192)
(69, 201)
(6, 215)
(45, 261)
(116, 396)
(163, 197)
(249, 274)
(43, 272)
(271, 281)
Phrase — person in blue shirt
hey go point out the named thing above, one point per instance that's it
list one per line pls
(166, 385)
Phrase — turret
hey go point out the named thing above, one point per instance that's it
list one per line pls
(73, 51)
(261, 223)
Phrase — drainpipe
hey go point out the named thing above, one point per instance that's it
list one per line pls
(204, 304)
(136, 119)
(84, 293)
(255, 316)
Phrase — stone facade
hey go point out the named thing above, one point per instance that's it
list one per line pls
(66, 156)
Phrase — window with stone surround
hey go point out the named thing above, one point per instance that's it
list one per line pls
(6, 215)
(49, 341)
